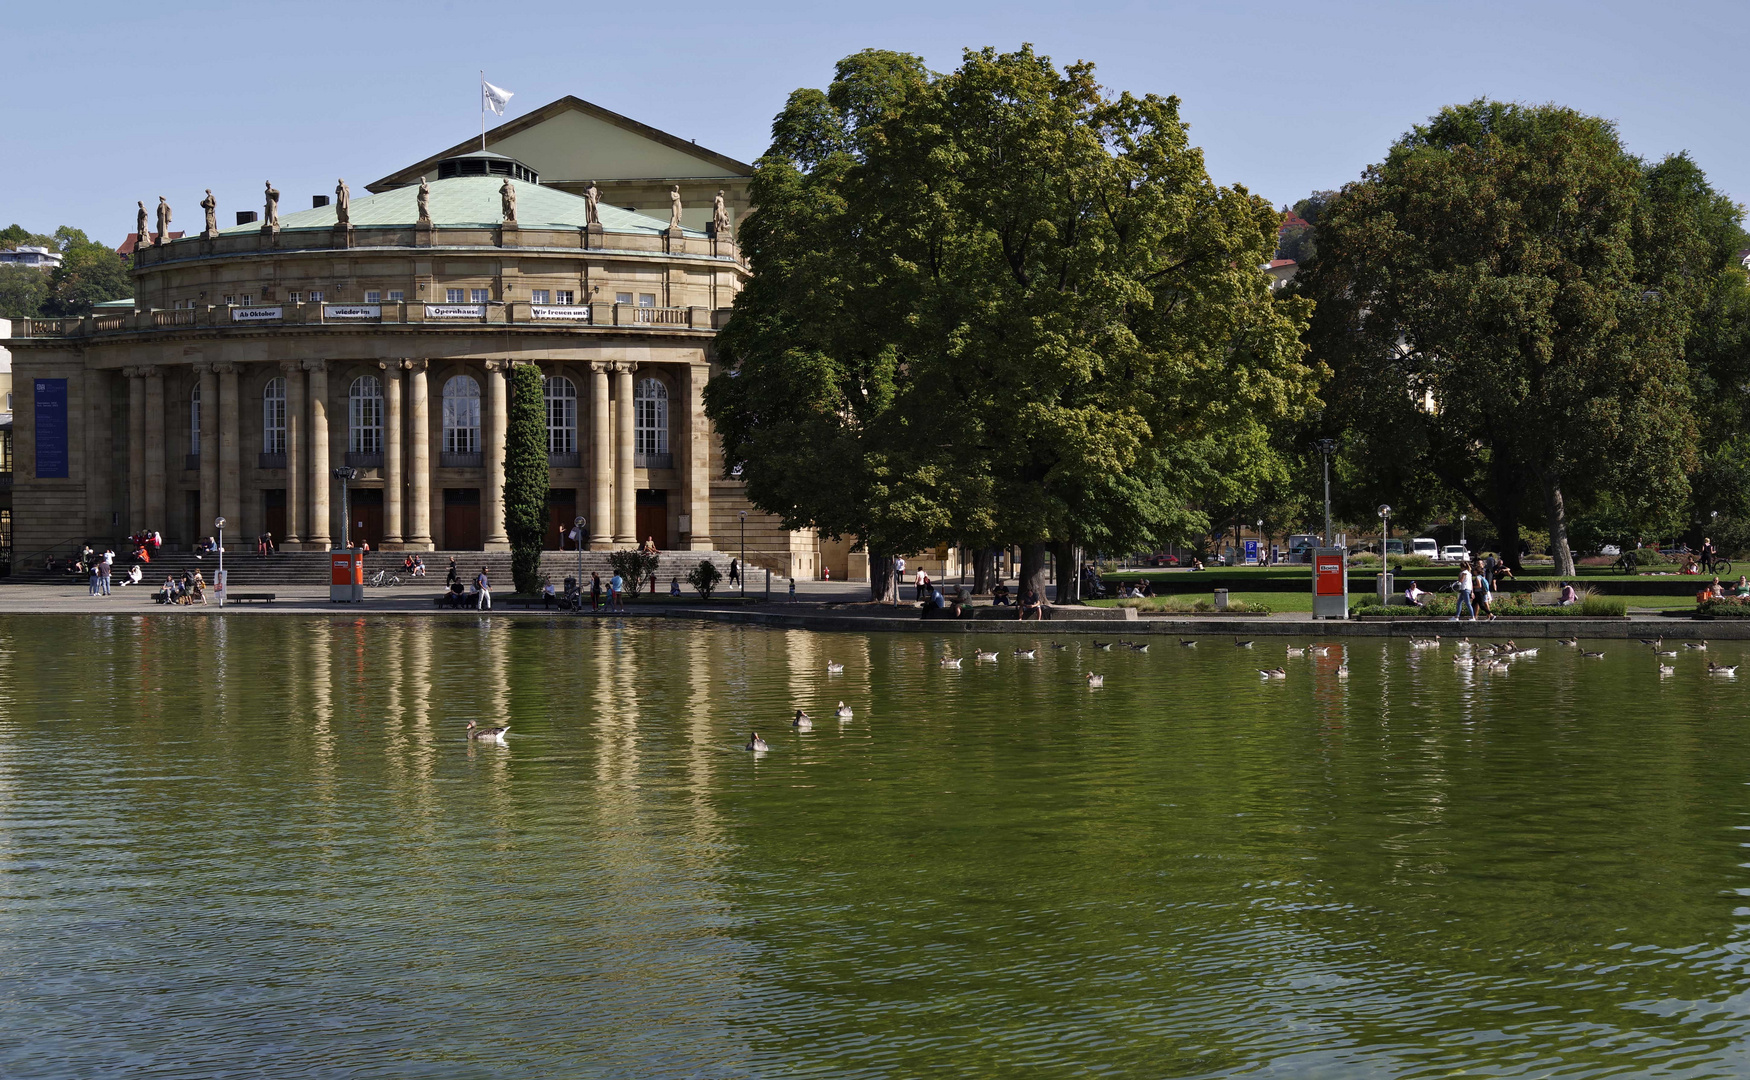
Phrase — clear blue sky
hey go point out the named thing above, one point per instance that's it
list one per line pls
(113, 102)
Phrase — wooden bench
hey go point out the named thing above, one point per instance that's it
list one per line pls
(245, 597)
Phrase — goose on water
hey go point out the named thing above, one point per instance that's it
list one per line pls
(1273, 673)
(1655, 642)
(1664, 652)
(1343, 670)
(1238, 644)
(755, 743)
(1697, 645)
(1567, 641)
(982, 655)
(1026, 654)
(486, 734)
(952, 661)
(1107, 645)
(1721, 669)
(1095, 681)
(802, 721)
(1320, 650)
(1139, 646)
(833, 667)
(1292, 651)
(1592, 655)
(1188, 643)
(844, 711)
(1667, 669)
(1055, 645)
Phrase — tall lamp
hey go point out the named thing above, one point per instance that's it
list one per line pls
(744, 554)
(219, 580)
(579, 523)
(1327, 447)
(346, 474)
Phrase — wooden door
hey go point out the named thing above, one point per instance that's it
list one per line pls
(367, 517)
(652, 517)
(462, 519)
(561, 513)
(273, 504)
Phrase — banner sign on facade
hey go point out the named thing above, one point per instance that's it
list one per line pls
(257, 314)
(51, 428)
(352, 311)
(564, 313)
(455, 311)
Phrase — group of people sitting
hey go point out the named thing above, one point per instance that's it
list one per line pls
(414, 565)
(181, 589)
(937, 605)
(1717, 591)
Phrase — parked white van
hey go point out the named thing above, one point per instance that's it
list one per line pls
(1425, 545)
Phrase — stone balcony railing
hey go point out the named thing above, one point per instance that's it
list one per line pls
(350, 317)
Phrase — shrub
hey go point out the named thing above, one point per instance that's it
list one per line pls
(704, 577)
(1725, 607)
(634, 566)
(1182, 605)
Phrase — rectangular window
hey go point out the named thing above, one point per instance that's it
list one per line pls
(230, 299)
(646, 299)
(248, 299)
(396, 296)
(373, 296)
(563, 296)
(454, 296)
(622, 298)
(315, 296)
(296, 297)
(476, 296)
(538, 296)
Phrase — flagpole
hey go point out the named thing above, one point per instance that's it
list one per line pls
(482, 110)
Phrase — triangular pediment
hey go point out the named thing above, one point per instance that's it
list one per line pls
(572, 140)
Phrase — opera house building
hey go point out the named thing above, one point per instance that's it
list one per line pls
(373, 333)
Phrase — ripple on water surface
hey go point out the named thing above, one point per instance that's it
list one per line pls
(266, 847)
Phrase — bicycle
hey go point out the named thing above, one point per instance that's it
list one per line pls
(383, 579)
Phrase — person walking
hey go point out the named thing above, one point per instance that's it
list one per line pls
(1708, 554)
(1465, 580)
(482, 591)
(95, 574)
(454, 577)
(1481, 594)
(734, 572)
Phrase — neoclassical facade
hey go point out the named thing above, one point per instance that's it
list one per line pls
(376, 333)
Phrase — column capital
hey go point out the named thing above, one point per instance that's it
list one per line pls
(201, 367)
(416, 365)
(148, 371)
(497, 365)
(291, 366)
(601, 366)
(315, 365)
(624, 367)
(225, 368)
(389, 365)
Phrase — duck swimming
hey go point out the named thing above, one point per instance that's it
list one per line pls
(1273, 673)
(486, 734)
(833, 667)
(844, 711)
(802, 721)
(1095, 681)
(755, 743)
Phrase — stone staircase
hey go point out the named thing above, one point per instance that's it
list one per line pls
(246, 570)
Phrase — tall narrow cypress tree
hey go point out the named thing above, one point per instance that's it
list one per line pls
(525, 476)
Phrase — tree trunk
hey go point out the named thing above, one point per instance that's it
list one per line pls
(1507, 484)
(1069, 573)
(1558, 526)
(1032, 570)
(883, 584)
(984, 571)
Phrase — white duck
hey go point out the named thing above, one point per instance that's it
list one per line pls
(844, 711)
(833, 667)
(1095, 681)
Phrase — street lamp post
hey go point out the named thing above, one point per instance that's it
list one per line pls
(1385, 577)
(1461, 540)
(346, 474)
(1261, 545)
(1326, 448)
(578, 599)
(219, 579)
(744, 555)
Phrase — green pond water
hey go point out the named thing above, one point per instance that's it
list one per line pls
(254, 846)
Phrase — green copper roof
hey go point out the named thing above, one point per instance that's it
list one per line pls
(470, 202)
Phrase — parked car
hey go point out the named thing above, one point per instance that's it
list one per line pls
(1160, 558)
(1454, 553)
(1425, 545)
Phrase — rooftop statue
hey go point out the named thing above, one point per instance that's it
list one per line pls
(719, 217)
(342, 203)
(424, 203)
(163, 221)
(507, 195)
(140, 225)
(591, 197)
(211, 206)
(273, 207)
(674, 208)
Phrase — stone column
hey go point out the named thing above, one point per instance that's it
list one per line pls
(495, 422)
(601, 524)
(293, 373)
(209, 447)
(391, 454)
(316, 533)
(625, 477)
(418, 534)
(695, 440)
(230, 463)
(154, 448)
(136, 448)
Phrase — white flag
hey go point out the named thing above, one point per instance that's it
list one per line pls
(495, 98)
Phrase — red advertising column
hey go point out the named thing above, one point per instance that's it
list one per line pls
(346, 581)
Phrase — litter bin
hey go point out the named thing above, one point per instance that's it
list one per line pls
(1221, 599)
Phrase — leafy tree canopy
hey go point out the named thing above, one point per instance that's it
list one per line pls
(998, 305)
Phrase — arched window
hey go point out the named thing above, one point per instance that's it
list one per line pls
(194, 420)
(364, 416)
(561, 397)
(461, 415)
(273, 417)
(650, 411)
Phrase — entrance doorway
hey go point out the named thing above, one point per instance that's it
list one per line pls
(273, 505)
(367, 516)
(462, 519)
(561, 513)
(652, 516)
(192, 517)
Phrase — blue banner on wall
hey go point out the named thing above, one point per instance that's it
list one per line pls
(51, 428)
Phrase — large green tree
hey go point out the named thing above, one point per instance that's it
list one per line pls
(997, 305)
(90, 273)
(525, 476)
(1506, 300)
